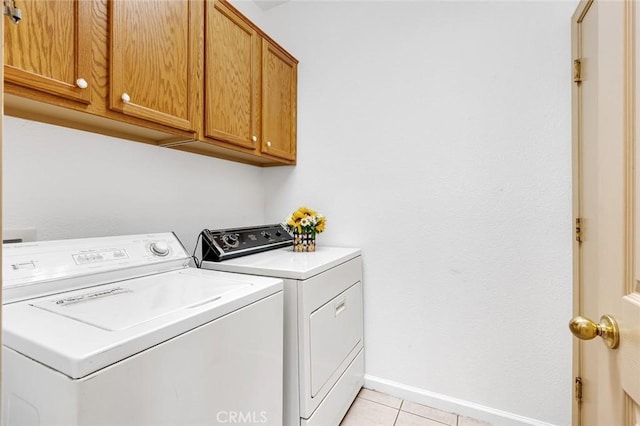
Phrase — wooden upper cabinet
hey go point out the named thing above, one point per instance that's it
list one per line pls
(232, 77)
(279, 102)
(194, 75)
(50, 50)
(154, 60)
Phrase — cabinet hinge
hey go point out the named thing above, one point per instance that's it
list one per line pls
(578, 229)
(577, 70)
(578, 389)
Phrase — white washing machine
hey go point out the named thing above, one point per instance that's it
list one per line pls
(323, 316)
(120, 331)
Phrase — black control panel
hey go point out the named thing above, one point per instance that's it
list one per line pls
(222, 244)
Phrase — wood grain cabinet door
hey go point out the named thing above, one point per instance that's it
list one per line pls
(232, 77)
(153, 53)
(279, 102)
(50, 50)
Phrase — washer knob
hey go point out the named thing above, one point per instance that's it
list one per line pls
(159, 248)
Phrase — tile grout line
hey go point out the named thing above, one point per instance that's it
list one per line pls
(428, 418)
(400, 409)
(380, 403)
(397, 415)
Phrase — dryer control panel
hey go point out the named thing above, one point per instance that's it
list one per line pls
(225, 244)
(45, 267)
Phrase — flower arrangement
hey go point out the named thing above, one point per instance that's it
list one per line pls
(304, 224)
(305, 221)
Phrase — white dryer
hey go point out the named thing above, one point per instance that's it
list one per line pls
(120, 331)
(323, 317)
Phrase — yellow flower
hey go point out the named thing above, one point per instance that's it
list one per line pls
(305, 211)
(305, 220)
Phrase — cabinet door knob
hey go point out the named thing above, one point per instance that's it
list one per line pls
(254, 138)
(82, 83)
(125, 98)
(268, 143)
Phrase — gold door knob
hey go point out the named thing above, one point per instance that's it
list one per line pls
(585, 329)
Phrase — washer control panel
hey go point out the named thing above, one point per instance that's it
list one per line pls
(40, 266)
(222, 244)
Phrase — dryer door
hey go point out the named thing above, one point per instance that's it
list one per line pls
(335, 331)
(330, 330)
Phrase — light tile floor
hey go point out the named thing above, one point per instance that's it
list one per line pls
(373, 408)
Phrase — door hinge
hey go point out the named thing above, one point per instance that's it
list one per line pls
(578, 229)
(577, 70)
(578, 389)
(12, 11)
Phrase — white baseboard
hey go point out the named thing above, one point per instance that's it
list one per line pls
(447, 403)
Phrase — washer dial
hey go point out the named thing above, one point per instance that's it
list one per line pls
(159, 248)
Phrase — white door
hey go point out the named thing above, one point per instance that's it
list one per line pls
(606, 196)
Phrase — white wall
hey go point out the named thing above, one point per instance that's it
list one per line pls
(436, 136)
(71, 184)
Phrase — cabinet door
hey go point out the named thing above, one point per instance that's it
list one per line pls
(50, 50)
(232, 77)
(279, 98)
(153, 49)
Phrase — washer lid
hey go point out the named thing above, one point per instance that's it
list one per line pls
(82, 331)
(132, 303)
(285, 263)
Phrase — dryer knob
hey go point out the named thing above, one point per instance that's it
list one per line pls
(159, 248)
(231, 240)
